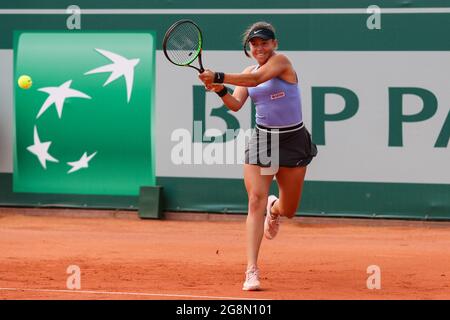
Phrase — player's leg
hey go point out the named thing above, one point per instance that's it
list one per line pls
(257, 186)
(290, 185)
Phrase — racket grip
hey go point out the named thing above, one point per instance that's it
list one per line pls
(200, 63)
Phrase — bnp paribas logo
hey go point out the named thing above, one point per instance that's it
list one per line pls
(83, 117)
(120, 67)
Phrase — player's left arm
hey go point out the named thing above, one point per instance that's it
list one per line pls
(274, 67)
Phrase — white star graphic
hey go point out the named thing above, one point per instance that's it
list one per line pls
(82, 163)
(40, 149)
(120, 67)
(57, 95)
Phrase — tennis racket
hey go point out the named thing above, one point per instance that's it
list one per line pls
(183, 44)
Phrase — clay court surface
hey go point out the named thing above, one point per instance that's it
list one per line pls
(122, 257)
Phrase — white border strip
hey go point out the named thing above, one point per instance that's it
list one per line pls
(143, 294)
(227, 11)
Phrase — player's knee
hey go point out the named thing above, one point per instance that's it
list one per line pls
(256, 201)
(287, 211)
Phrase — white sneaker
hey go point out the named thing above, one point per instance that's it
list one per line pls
(271, 223)
(251, 280)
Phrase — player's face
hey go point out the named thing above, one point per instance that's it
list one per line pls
(262, 49)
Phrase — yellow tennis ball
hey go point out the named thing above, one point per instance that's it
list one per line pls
(25, 82)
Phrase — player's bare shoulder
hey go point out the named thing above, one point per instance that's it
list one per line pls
(281, 58)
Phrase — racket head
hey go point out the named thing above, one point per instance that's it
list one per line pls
(182, 43)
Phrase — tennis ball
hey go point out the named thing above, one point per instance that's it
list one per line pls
(25, 82)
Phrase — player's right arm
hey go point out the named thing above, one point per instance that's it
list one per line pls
(235, 101)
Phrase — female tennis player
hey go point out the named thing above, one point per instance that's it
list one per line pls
(272, 84)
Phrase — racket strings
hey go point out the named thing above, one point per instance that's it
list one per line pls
(183, 44)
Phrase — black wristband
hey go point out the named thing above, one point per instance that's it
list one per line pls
(218, 77)
(222, 92)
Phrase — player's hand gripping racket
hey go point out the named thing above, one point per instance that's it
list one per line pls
(183, 44)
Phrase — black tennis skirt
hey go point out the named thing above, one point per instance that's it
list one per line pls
(285, 147)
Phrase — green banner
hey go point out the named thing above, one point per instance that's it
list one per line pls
(84, 126)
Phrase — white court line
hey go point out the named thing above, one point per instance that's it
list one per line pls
(227, 11)
(129, 294)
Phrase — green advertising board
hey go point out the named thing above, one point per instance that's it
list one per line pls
(85, 124)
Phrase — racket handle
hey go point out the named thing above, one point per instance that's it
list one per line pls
(200, 62)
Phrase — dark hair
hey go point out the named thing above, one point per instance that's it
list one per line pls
(256, 25)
